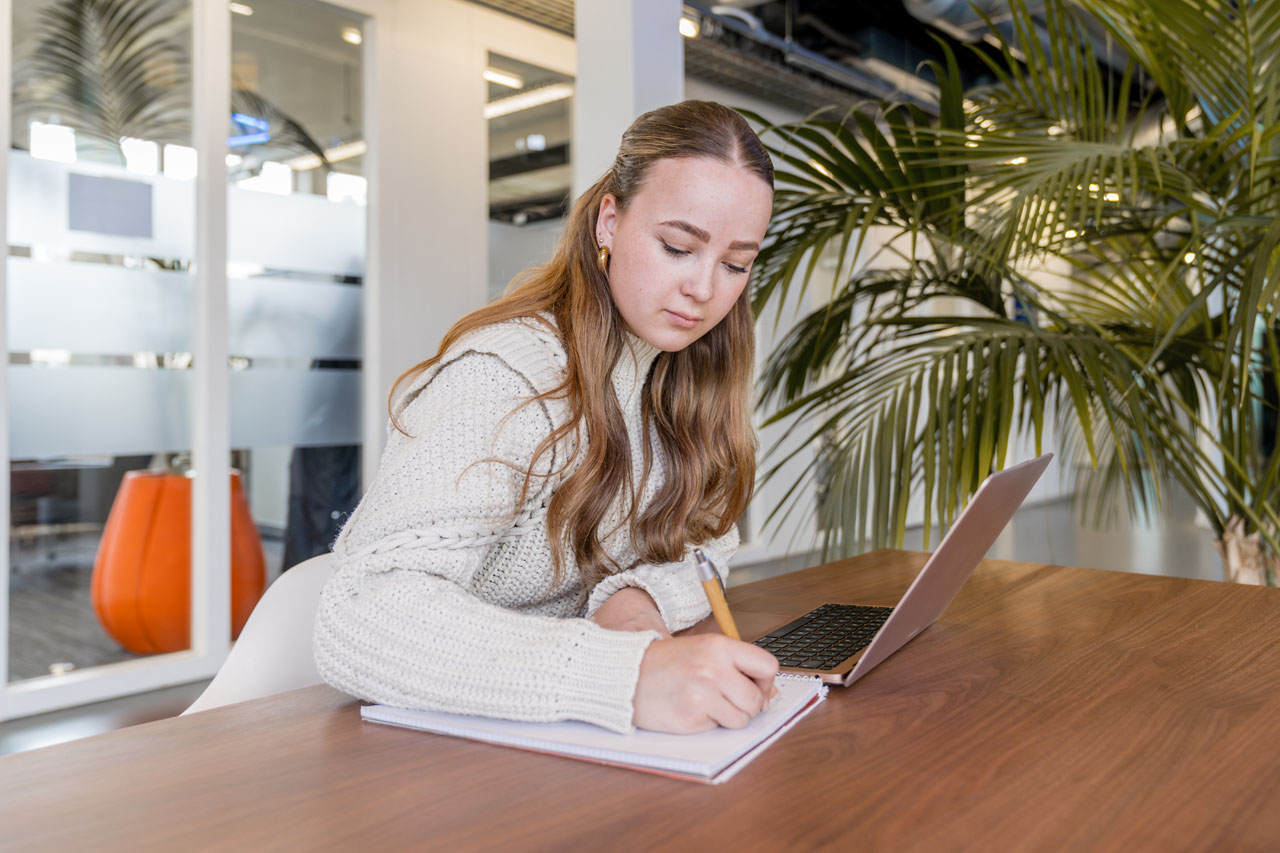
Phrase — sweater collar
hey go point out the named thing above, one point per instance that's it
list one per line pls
(632, 368)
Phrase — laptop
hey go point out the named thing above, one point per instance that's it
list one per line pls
(840, 643)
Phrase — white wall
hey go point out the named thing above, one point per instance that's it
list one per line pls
(515, 248)
(429, 166)
(631, 60)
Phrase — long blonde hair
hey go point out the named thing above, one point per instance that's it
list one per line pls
(697, 399)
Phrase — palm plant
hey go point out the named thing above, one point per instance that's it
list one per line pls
(116, 68)
(1088, 247)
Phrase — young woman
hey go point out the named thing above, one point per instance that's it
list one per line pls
(525, 550)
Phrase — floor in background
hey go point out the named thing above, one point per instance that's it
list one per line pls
(51, 618)
(75, 723)
(1045, 533)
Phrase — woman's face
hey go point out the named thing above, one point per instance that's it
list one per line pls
(682, 250)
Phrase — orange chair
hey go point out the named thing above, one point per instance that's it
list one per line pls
(142, 575)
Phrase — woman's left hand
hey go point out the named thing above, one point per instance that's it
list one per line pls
(630, 609)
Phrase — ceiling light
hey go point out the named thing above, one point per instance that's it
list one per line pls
(1016, 161)
(528, 100)
(345, 151)
(688, 27)
(242, 9)
(1189, 258)
(1071, 234)
(351, 35)
(503, 78)
(1111, 197)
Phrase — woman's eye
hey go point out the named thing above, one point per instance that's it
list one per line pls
(672, 250)
(736, 270)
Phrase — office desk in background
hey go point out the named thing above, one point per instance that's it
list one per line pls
(1051, 707)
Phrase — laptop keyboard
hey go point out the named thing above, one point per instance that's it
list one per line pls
(825, 636)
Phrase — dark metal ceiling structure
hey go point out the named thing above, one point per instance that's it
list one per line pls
(810, 55)
(724, 53)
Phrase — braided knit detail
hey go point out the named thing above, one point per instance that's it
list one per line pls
(448, 538)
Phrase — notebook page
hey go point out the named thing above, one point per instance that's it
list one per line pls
(703, 755)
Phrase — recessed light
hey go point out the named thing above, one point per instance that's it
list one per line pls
(351, 35)
(503, 78)
(528, 100)
(242, 9)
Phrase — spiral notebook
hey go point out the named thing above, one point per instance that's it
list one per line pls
(713, 756)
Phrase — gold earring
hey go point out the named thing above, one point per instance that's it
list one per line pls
(602, 260)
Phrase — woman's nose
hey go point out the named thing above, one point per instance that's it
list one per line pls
(700, 285)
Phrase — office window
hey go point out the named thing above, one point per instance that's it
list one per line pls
(528, 110)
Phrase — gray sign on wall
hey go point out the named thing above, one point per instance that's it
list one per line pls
(108, 206)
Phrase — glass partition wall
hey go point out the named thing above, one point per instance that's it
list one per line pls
(100, 318)
(296, 260)
(101, 288)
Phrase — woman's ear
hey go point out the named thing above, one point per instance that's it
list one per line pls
(607, 221)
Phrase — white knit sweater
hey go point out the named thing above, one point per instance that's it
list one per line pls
(441, 597)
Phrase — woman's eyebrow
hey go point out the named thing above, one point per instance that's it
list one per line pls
(695, 231)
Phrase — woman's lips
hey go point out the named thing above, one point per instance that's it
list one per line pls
(682, 320)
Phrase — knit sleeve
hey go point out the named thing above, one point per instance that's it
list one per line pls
(397, 622)
(674, 587)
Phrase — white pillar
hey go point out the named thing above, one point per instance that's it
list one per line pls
(428, 165)
(630, 60)
(428, 170)
(211, 436)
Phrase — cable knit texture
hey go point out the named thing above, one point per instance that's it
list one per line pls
(442, 596)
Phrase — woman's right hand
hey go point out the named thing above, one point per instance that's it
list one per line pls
(694, 683)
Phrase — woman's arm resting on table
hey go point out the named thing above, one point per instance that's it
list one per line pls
(673, 587)
(630, 609)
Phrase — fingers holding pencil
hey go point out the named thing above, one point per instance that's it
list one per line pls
(714, 589)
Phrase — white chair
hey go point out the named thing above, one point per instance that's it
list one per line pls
(274, 651)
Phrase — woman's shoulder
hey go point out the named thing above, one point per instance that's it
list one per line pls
(521, 357)
(530, 346)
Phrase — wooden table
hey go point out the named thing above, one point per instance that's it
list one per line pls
(1051, 707)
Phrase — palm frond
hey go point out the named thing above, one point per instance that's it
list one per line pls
(1151, 193)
